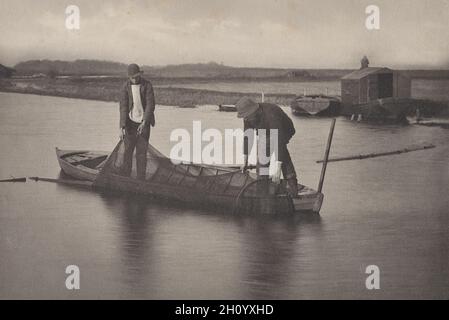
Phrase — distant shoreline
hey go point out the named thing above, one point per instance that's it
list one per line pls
(166, 93)
(108, 89)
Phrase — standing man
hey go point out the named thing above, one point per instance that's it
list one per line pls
(136, 116)
(257, 116)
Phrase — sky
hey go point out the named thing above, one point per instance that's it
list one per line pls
(248, 33)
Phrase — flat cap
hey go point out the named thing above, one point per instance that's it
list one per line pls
(133, 70)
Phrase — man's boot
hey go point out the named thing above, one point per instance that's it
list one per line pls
(292, 187)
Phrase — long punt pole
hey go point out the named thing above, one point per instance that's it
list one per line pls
(326, 155)
(380, 154)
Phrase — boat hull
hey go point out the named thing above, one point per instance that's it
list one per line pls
(227, 108)
(76, 171)
(308, 200)
(316, 106)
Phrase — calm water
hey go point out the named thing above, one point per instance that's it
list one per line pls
(392, 212)
(421, 88)
(311, 87)
(430, 89)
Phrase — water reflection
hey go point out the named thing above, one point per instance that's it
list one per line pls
(134, 236)
(271, 246)
(268, 250)
(388, 211)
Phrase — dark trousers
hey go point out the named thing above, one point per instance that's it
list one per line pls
(288, 171)
(140, 143)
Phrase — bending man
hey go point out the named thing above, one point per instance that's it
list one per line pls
(257, 116)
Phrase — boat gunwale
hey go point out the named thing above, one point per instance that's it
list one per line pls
(312, 194)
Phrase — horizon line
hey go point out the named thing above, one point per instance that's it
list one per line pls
(405, 67)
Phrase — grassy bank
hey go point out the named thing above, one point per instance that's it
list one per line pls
(108, 89)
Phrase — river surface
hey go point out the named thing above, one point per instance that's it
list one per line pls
(273, 87)
(392, 212)
(420, 88)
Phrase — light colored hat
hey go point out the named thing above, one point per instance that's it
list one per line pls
(246, 107)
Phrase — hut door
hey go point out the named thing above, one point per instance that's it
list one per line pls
(385, 85)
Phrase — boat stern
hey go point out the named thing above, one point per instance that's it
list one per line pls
(308, 200)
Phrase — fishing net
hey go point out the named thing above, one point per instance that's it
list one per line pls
(195, 178)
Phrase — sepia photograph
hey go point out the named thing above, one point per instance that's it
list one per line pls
(254, 150)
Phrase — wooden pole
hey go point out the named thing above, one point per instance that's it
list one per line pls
(14, 180)
(249, 167)
(380, 154)
(326, 155)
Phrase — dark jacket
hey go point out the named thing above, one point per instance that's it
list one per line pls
(147, 97)
(273, 117)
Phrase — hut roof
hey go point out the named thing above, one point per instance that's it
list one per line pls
(362, 73)
(5, 71)
(3, 68)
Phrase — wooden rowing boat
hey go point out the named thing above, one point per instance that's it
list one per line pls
(316, 106)
(215, 186)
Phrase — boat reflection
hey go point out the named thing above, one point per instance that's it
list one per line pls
(272, 245)
(268, 245)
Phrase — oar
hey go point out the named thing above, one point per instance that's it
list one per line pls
(83, 183)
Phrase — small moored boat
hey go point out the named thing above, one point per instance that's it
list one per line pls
(316, 105)
(227, 108)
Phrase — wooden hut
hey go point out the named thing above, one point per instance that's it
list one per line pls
(371, 83)
(6, 72)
